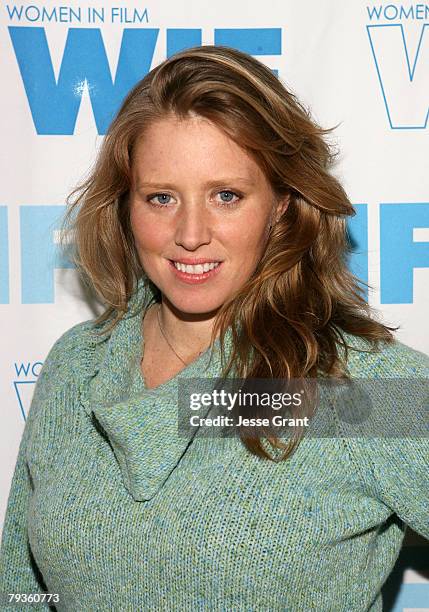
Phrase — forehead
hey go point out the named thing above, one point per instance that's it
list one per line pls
(192, 145)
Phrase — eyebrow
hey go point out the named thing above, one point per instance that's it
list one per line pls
(214, 183)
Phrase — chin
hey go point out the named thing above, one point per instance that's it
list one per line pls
(196, 307)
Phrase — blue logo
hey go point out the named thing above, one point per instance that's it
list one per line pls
(26, 375)
(54, 104)
(401, 60)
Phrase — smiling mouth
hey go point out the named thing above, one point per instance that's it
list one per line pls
(197, 268)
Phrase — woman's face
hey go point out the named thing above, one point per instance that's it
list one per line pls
(197, 195)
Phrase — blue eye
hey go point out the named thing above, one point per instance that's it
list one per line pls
(230, 202)
(159, 195)
(163, 199)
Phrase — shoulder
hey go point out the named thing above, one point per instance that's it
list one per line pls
(64, 368)
(71, 339)
(68, 357)
(383, 411)
(387, 394)
(69, 344)
(390, 360)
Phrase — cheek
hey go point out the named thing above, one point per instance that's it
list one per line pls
(247, 233)
(147, 234)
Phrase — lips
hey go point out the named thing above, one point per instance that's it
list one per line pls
(195, 277)
(196, 269)
(194, 262)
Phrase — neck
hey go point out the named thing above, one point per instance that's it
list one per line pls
(189, 333)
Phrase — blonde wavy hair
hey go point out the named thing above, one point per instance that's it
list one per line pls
(288, 319)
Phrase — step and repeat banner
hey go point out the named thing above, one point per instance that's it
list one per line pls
(65, 69)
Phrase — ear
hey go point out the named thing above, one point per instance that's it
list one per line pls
(282, 206)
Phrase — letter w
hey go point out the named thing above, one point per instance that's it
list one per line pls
(54, 106)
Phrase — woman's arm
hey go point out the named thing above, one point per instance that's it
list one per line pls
(18, 570)
(391, 450)
(401, 473)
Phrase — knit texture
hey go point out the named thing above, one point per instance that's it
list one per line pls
(110, 508)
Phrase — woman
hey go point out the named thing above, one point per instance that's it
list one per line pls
(210, 162)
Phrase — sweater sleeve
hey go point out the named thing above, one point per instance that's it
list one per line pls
(400, 469)
(18, 570)
(393, 454)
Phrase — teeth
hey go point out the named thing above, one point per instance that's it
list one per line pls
(198, 269)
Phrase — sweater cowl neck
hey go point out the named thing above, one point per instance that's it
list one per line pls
(140, 423)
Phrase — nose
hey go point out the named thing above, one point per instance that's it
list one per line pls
(192, 226)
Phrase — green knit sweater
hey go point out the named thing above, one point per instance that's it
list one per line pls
(113, 510)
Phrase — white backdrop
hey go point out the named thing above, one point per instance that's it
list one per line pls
(64, 70)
